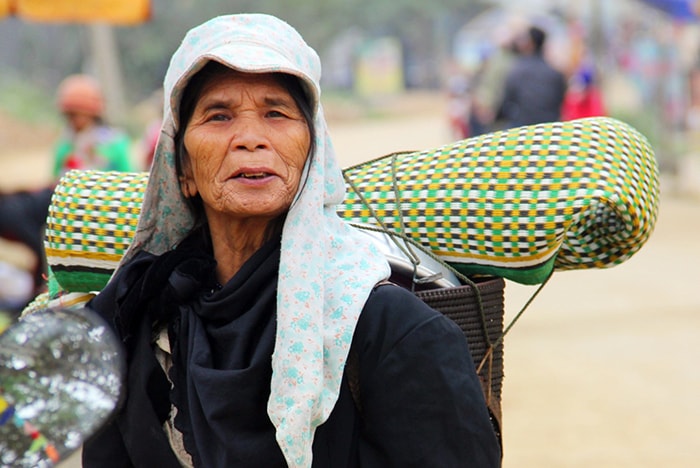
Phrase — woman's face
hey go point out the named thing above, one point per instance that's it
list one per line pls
(246, 144)
(79, 121)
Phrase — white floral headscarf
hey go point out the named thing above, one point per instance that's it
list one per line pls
(326, 269)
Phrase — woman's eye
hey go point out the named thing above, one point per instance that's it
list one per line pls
(275, 113)
(218, 117)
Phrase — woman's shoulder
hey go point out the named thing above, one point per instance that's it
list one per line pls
(394, 301)
(123, 280)
(406, 354)
(400, 300)
(393, 314)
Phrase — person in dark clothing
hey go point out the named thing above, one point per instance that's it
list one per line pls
(244, 293)
(534, 91)
(22, 219)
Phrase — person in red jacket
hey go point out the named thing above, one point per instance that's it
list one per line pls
(583, 97)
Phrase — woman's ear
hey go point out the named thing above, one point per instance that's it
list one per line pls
(187, 185)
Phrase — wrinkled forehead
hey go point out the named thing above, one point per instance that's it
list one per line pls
(247, 43)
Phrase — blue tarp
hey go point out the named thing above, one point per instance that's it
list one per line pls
(678, 9)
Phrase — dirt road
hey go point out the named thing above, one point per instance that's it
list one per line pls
(602, 369)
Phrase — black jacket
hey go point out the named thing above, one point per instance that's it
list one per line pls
(419, 402)
(534, 93)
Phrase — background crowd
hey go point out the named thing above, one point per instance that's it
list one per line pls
(520, 88)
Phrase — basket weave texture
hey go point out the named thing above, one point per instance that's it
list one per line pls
(483, 332)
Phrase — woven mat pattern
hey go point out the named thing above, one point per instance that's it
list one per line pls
(517, 203)
(514, 204)
(91, 222)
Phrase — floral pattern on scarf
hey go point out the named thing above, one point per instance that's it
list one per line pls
(327, 269)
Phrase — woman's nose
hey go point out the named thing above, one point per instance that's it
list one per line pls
(249, 134)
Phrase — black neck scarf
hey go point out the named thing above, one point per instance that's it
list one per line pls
(222, 343)
(222, 351)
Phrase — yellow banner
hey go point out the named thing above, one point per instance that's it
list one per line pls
(4, 8)
(123, 12)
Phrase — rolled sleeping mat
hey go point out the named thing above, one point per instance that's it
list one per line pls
(91, 222)
(516, 204)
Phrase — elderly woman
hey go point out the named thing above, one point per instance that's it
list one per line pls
(243, 293)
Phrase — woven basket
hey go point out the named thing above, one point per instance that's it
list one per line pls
(483, 330)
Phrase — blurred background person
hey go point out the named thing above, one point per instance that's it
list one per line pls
(149, 142)
(152, 116)
(534, 90)
(87, 142)
(583, 96)
(458, 102)
(486, 92)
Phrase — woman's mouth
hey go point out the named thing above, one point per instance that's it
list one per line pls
(253, 175)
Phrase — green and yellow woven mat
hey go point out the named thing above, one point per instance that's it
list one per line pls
(515, 204)
(92, 220)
